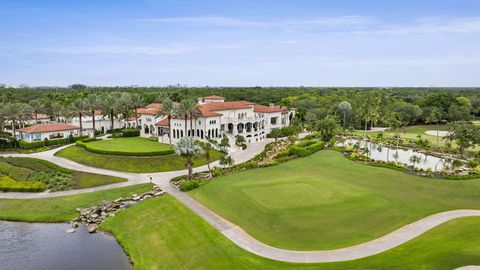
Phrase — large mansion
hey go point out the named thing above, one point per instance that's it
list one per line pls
(216, 118)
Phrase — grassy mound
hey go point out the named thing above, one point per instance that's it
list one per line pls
(326, 201)
(131, 164)
(163, 234)
(134, 146)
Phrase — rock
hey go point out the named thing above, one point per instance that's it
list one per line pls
(136, 198)
(75, 224)
(94, 215)
(71, 230)
(92, 228)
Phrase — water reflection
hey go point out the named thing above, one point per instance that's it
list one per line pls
(383, 153)
(40, 246)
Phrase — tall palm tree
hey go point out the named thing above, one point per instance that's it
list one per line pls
(25, 113)
(79, 107)
(12, 112)
(188, 148)
(136, 101)
(208, 149)
(111, 106)
(167, 109)
(37, 107)
(57, 110)
(183, 110)
(92, 103)
(194, 112)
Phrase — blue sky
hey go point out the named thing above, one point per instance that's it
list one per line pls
(241, 43)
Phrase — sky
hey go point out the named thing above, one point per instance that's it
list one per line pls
(378, 43)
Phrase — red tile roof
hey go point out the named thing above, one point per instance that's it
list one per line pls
(41, 128)
(150, 109)
(214, 98)
(164, 122)
(268, 109)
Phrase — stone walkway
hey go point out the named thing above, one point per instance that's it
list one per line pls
(235, 233)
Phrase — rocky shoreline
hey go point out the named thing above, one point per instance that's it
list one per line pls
(93, 216)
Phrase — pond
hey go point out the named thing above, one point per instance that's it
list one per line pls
(42, 246)
(383, 153)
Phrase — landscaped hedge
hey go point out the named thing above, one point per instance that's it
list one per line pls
(47, 142)
(17, 173)
(302, 149)
(7, 184)
(130, 132)
(102, 151)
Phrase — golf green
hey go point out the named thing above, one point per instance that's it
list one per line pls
(326, 201)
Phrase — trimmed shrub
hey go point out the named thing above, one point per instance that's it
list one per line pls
(189, 185)
(7, 184)
(30, 145)
(130, 132)
(17, 173)
(462, 177)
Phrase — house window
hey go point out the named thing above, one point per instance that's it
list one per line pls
(273, 120)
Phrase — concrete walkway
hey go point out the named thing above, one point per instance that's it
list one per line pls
(235, 233)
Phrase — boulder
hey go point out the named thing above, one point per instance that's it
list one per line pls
(92, 228)
(71, 230)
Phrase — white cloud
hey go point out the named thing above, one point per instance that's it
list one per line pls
(465, 25)
(320, 22)
(119, 49)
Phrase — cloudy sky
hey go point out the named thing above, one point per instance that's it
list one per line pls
(241, 43)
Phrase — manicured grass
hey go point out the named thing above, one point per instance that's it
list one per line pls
(61, 208)
(326, 201)
(134, 144)
(163, 234)
(131, 164)
(80, 179)
(86, 180)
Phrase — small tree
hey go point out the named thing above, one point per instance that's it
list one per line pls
(434, 117)
(187, 147)
(344, 107)
(226, 161)
(414, 159)
(207, 150)
(239, 140)
(275, 133)
(327, 127)
(224, 144)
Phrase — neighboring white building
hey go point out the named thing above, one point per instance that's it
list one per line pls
(148, 117)
(218, 117)
(51, 131)
(102, 122)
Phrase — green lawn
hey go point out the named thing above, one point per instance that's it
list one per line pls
(133, 144)
(131, 164)
(326, 201)
(61, 208)
(163, 234)
(80, 179)
(412, 132)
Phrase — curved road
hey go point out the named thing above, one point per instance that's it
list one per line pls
(234, 232)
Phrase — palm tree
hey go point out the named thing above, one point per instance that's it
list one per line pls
(414, 159)
(12, 112)
(208, 148)
(345, 107)
(194, 113)
(57, 110)
(226, 161)
(37, 107)
(434, 117)
(92, 103)
(78, 108)
(187, 147)
(25, 114)
(136, 101)
(111, 105)
(183, 110)
(168, 109)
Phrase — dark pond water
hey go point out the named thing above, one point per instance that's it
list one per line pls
(39, 246)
